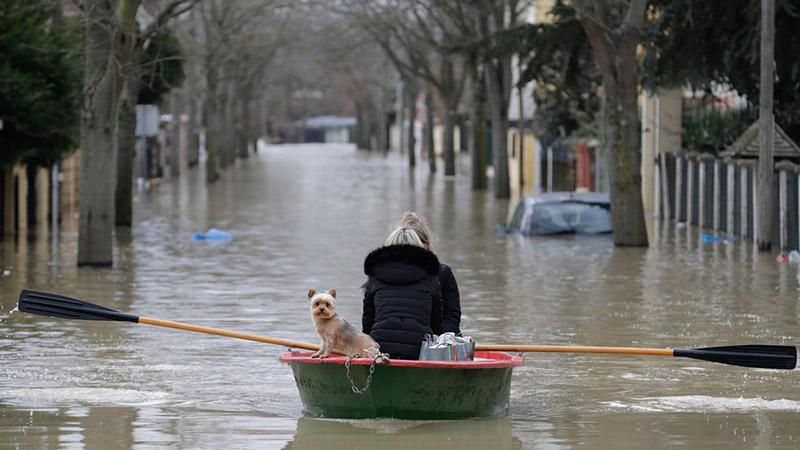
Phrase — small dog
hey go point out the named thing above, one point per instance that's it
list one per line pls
(336, 333)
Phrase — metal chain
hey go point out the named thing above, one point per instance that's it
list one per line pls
(356, 389)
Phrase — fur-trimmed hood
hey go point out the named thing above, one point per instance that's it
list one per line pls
(401, 264)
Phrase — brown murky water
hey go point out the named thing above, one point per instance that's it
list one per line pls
(305, 216)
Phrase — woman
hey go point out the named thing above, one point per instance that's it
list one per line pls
(409, 293)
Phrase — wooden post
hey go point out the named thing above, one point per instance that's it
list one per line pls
(717, 198)
(678, 187)
(701, 194)
(730, 200)
(657, 189)
(597, 167)
(744, 201)
(689, 190)
(756, 206)
(549, 169)
(782, 211)
(55, 201)
(766, 126)
(664, 176)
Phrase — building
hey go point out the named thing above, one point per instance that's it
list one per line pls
(328, 129)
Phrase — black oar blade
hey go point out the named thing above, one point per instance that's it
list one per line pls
(763, 356)
(54, 305)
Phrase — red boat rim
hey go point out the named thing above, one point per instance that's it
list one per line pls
(483, 360)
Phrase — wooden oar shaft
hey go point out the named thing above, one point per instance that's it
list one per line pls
(234, 334)
(576, 349)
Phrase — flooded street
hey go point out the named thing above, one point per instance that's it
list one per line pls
(306, 216)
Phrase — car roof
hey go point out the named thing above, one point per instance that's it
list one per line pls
(549, 197)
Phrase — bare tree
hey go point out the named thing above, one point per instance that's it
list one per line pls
(416, 36)
(238, 41)
(110, 43)
(126, 138)
(493, 16)
(477, 118)
(614, 29)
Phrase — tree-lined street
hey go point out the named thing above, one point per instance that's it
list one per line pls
(595, 173)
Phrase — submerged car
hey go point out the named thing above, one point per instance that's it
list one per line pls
(562, 213)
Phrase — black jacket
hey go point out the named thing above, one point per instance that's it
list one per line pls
(402, 298)
(451, 301)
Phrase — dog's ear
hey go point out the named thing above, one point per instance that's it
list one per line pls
(332, 292)
(311, 293)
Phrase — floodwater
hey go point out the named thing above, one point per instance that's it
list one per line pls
(305, 216)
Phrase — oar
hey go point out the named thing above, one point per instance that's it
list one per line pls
(54, 305)
(763, 356)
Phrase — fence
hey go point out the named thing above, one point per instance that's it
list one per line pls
(721, 196)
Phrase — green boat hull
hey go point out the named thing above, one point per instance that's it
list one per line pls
(418, 393)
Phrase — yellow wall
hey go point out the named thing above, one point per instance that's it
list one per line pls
(70, 168)
(527, 169)
(70, 183)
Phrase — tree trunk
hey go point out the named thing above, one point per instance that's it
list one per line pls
(210, 122)
(766, 127)
(176, 107)
(499, 116)
(448, 141)
(97, 181)
(429, 128)
(107, 43)
(254, 127)
(498, 88)
(193, 144)
(227, 129)
(243, 124)
(260, 130)
(126, 152)
(381, 123)
(478, 132)
(362, 127)
(222, 127)
(450, 100)
(615, 54)
(411, 102)
(624, 161)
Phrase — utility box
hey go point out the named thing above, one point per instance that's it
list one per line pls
(147, 117)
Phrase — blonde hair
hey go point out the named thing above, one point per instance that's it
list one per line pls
(404, 236)
(412, 230)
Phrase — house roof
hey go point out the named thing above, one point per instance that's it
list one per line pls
(747, 145)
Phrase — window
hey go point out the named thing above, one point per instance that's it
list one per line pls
(570, 218)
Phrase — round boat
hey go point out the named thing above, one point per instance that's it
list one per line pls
(418, 390)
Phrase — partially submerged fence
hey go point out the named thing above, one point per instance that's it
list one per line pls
(720, 196)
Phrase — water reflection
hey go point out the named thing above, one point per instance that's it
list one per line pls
(494, 433)
(305, 216)
(68, 428)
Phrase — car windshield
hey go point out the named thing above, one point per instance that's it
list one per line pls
(570, 217)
